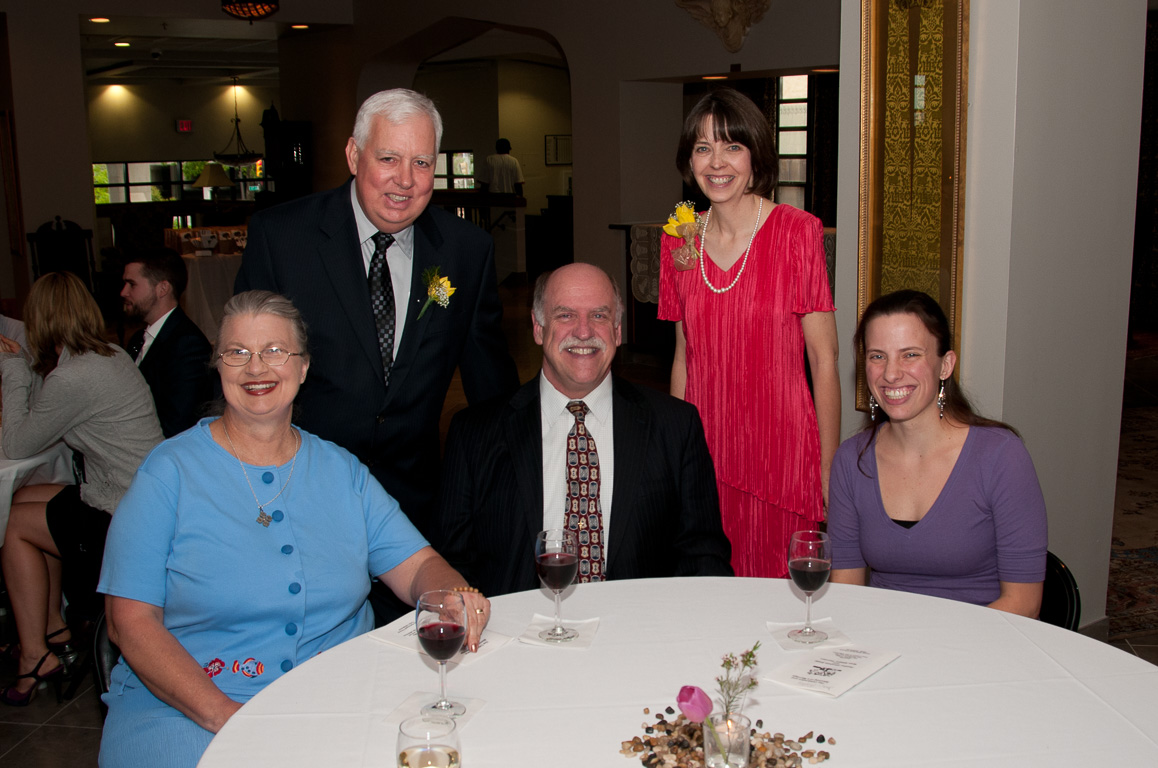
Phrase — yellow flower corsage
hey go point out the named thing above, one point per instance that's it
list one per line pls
(438, 290)
(684, 222)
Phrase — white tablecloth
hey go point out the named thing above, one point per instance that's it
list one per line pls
(973, 686)
(51, 466)
(210, 286)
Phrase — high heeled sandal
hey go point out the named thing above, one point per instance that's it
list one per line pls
(65, 650)
(15, 698)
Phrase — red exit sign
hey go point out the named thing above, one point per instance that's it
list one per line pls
(184, 126)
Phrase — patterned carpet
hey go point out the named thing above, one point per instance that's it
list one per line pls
(1132, 599)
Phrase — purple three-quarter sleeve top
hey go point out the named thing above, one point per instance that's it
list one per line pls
(988, 524)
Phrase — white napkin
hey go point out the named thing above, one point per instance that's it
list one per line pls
(586, 628)
(781, 629)
(405, 635)
(414, 704)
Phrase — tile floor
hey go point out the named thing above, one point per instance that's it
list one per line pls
(67, 735)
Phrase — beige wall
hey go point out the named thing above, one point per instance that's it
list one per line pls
(136, 123)
(1049, 221)
(534, 101)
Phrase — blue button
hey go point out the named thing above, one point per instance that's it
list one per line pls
(287, 665)
(267, 478)
(295, 588)
(278, 516)
(291, 628)
(288, 548)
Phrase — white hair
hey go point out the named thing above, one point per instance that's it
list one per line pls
(396, 106)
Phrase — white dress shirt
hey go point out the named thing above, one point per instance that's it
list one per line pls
(151, 333)
(399, 257)
(557, 422)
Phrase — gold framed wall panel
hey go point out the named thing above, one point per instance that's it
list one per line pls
(913, 103)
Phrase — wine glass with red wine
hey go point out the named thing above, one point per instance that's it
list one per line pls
(441, 621)
(809, 561)
(557, 563)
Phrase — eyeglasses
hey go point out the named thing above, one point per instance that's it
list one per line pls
(236, 358)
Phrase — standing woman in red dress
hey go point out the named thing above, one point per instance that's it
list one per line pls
(748, 290)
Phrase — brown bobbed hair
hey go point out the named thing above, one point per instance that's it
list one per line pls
(60, 312)
(734, 118)
(922, 306)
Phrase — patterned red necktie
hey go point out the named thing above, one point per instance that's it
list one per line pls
(584, 515)
(382, 300)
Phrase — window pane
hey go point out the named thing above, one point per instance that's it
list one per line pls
(793, 143)
(794, 196)
(116, 173)
(794, 87)
(794, 114)
(116, 194)
(463, 164)
(460, 183)
(793, 169)
(440, 167)
(440, 183)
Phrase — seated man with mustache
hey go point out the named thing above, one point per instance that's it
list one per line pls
(626, 468)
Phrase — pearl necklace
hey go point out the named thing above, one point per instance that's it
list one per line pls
(752, 239)
(262, 517)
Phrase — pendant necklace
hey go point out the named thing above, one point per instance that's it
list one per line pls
(752, 239)
(262, 517)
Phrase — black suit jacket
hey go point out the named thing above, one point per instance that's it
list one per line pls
(665, 513)
(177, 370)
(308, 251)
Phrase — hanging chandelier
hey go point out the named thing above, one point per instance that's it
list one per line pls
(241, 9)
(241, 155)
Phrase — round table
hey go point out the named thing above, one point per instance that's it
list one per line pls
(973, 686)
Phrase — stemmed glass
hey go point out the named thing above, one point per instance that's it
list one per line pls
(557, 562)
(441, 621)
(428, 741)
(809, 561)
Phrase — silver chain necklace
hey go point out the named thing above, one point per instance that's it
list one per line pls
(262, 517)
(752, 239)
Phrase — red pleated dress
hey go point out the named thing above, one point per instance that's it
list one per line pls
(745, 373)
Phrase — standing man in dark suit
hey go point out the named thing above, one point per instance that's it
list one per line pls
(524, 464)
(380, 369)
(171, 351)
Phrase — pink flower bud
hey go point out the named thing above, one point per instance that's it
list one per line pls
(694, 703)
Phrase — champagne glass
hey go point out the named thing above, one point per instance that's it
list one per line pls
(557, 562)
(809, 561)
(441, 620)
(428, 741)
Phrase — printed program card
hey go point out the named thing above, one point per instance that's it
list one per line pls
(832, 671)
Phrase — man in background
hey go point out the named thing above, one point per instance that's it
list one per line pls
(501, 173)
(171, 351)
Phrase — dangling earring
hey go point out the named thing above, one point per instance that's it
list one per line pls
(941, 399)
(872, 408)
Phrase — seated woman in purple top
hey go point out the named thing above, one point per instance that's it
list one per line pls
(932, 498)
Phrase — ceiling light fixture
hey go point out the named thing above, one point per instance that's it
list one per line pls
(99, 20)
(121, 45)
(248, 11)
(714, 77)
(299, 26)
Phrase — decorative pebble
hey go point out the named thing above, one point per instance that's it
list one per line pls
(820, 739)
(832, 741)
(805, 737)
(670, 711)
(647, 710)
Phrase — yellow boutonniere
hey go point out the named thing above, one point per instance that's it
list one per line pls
(685, 223)
(438, 289)
(684, 214)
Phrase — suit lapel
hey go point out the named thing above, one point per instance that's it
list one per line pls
(427, 252)
(341, 257)
(523, 433)
(632, 432)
